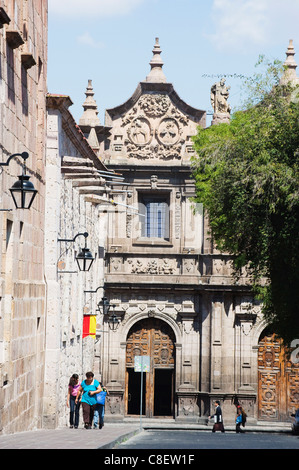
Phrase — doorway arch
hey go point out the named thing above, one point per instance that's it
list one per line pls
(278, 380)
(154, 338)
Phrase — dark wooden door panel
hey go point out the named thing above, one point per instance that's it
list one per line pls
(278, 381)
(154, 338)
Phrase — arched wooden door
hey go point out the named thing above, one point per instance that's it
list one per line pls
(278, 377)
(155, 338)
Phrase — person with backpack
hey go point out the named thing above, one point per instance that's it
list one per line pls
(100, 408)
(241, 419)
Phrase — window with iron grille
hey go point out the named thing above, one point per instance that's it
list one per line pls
(155, 219)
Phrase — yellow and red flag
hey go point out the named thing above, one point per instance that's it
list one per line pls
(89, 325)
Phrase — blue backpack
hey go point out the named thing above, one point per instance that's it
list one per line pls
(101, 397)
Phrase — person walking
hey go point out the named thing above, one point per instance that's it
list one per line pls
(88, 390)
(74, 406)
(240, 419)
(218, 419)
(100, 408)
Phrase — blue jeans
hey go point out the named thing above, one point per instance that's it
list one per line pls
(74, 409)
(99, 414)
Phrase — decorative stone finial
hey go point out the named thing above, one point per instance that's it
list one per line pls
(156, 74)
(90, 114)
(290, 74)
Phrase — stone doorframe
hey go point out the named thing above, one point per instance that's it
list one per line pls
(116, 406)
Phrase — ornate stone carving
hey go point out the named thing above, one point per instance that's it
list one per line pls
(149, 138)
(187, 406)
(114, 404)
(189, 266)
(154, 105)
(154, 181)
(168, 132)
(140, 132)
(115, 264)
(161, 266)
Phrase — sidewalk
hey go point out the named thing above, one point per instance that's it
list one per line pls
(66, 438)
(112, 434)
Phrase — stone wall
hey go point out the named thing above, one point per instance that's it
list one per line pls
(71, 166)
(23, 70)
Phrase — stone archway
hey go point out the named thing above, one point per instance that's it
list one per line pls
(155, 338)
(278, 380)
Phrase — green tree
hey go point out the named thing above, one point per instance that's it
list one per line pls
(246, 176)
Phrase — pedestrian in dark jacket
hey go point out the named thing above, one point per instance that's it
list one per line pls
(218, 419)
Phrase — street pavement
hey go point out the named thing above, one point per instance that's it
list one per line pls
(199, 440)
(111, 435)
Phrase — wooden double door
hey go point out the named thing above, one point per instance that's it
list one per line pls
(154, 338)
(278, 395)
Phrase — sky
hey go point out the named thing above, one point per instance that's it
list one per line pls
(110, 42)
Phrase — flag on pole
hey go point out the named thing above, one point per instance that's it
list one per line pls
(89, 325)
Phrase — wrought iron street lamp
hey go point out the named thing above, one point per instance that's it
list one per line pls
(23, 191)
(105, 304)
(113, 320)
(84, 258)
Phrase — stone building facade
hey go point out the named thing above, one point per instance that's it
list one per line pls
(173, 293)
(23, 72)
(42, 293)
(72, 207)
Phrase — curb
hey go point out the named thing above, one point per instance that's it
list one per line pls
(228, 428)
(119, 440)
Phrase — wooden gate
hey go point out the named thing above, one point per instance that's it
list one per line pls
(154, 338)
(278, 377)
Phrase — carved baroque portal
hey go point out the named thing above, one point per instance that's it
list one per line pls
(154, 128)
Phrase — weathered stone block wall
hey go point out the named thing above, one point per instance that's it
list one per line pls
(23, 66)
(68, 212)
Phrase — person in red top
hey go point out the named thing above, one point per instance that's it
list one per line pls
(73, 389)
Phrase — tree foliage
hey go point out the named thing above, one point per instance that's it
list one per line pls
(246, 176)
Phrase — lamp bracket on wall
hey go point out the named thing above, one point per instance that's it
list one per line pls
(23, 192)
(93, 291)
(84, 258)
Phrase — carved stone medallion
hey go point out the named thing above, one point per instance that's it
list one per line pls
(140, 132)
(168, 132)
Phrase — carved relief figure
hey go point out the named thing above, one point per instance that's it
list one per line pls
(168, 132)
(162, 266)
(139, 131)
